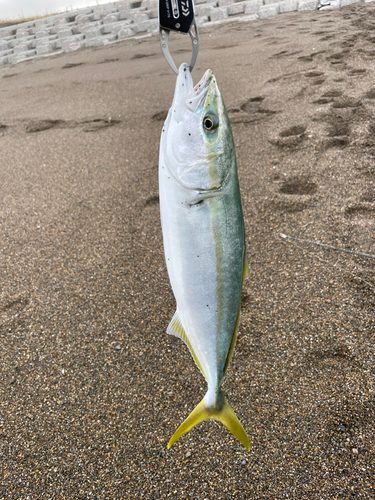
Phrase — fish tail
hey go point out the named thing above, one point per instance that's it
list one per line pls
(224, 414)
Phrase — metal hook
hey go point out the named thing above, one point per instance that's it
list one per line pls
(164, 37)
(177, 15)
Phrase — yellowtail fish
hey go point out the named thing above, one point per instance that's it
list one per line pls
(204, 238)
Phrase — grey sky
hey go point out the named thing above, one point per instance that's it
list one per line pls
(16, 9)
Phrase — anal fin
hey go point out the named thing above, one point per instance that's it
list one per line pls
(175, 328)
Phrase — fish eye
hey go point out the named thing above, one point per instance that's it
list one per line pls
(210, 123)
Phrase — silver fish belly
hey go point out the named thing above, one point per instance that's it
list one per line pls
(204, 238)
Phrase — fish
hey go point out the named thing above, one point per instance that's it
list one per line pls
(203, 237)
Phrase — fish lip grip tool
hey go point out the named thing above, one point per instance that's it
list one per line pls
(178, 15)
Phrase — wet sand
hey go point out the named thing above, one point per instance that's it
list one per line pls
(91, 388)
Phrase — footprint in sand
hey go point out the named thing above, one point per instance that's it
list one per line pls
(356, 72)
(41, 125)
(306, 58)
(13, 306)
(313, 74)
(346, 102)
(333, 354)
(315, 77)
(285, 53)
(338, 131)
(298, 185)
(92, 125)
(286, 205)
(322, 100)
(294, 194)
(108, 60)
(221, 47)
(319, 33)
(332, 93)
(370, 94)
(318, 81)
(98, 124)
(328, 97)
(290, 137)
(72, 65)
(10, 75)
(327, 37)
(311, 56)
(294, 75)
(338, 57)
(363, 208)
(368, 196)
(250, 111)
(338, 126)
(141, 56)
(13, 303)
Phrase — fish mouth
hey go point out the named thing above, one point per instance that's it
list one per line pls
(201, 91)
(203, 82)
(189, 97)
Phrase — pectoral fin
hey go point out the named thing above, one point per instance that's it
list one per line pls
(175, 328)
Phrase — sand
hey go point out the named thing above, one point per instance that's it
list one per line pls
(91, 388)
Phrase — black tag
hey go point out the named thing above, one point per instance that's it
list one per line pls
(176, 15)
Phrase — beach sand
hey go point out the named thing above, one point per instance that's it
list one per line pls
(91, 387)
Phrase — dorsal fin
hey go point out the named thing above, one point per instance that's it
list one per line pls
(231, 349)
(175, 328)
(245, 274)
(245, 271)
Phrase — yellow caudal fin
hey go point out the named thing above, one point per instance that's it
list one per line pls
(225, 415)
(228, 418)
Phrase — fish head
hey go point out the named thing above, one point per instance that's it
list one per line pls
(198, 143)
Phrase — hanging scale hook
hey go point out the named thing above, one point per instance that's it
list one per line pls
(178, 15)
